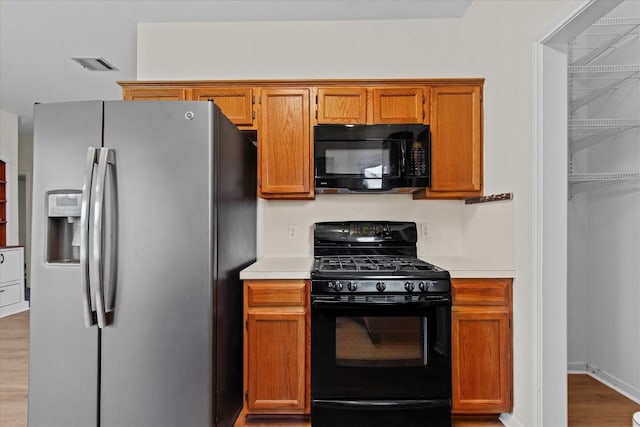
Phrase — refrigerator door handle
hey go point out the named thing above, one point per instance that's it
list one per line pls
(96, 268)
(85, 205)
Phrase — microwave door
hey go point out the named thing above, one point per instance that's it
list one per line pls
(364, 159)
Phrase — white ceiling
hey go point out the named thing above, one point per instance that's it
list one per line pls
(38, 38)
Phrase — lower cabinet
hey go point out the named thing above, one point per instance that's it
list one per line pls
(276, 347)
(12, 297)
(481, 346)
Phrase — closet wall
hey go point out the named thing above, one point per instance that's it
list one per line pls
(604, 205)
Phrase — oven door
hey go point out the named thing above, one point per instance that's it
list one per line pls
(381, 350)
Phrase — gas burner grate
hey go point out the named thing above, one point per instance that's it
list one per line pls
(365, 263)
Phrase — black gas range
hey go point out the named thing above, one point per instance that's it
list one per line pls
(380, 329)
(378, 258)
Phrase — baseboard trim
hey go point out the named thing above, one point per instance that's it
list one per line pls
(577, 367)
(14, 309)
(509, 420)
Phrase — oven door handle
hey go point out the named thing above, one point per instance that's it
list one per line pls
(408, 304)
(381, 404)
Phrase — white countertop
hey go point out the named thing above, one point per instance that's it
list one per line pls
(461, 267)
(300, 267)
(278, 268)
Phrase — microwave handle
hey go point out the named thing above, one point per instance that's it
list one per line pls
(403, 158)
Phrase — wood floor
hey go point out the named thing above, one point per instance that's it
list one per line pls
(591, 404)
(14, 359)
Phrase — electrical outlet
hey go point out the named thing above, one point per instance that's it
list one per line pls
(293, 231)
(424, 230)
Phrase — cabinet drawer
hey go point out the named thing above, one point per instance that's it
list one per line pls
(264, 293)
(9, 295)
(10, 268)
(481, 291)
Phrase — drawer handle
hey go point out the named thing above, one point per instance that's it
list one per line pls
(1, 258)
(1, 291)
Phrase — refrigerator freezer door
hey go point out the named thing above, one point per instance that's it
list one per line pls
(63, 366)
(157, 352)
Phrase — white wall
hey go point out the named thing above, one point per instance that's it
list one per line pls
(604, 240)
(493, 40)
(550, 232)
(9, 154)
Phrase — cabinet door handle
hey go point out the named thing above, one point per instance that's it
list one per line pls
(1, 291)
(1, 258)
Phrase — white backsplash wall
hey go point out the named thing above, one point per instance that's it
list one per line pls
(443, 220)
(489, 234)
(483, 233)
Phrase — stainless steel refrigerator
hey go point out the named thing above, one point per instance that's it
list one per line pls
(143, 215)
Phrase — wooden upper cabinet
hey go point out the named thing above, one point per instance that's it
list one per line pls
(288, 110)
(235, 103)
(155, 94)
(285, 144)
(398, 105)
(456, 141)
(341, 105)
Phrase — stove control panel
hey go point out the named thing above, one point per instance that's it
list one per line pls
(380, 286)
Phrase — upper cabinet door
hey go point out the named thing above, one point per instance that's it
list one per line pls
(155, 94)
(456, 141)
(284, 144)
(235, 103)
(399, 105)
(341, 105)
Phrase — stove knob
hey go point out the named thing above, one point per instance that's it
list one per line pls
(380, 286)
(330, 285)
(422, 286)
(409, 286)
(352, 286)
(339, 286)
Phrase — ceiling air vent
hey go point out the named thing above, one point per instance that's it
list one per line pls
(95, 64)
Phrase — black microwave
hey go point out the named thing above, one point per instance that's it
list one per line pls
(372, 158)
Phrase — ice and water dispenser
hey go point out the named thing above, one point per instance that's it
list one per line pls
(63, 226)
